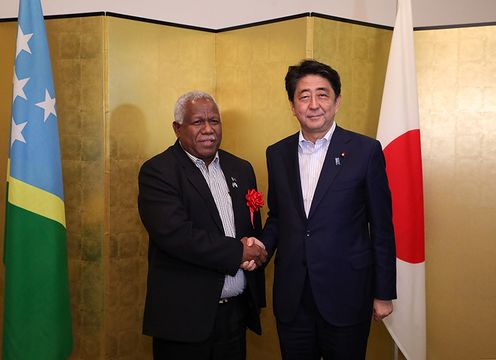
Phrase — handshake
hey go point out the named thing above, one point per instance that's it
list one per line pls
(254, 254)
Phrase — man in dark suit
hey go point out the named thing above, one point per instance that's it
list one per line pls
(192, 203)
(331, 223)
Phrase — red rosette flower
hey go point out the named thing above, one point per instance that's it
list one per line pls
(254, 201)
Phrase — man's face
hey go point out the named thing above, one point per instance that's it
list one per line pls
(315, 105)
(201, 131)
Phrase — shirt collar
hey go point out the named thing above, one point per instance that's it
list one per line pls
(327, 137)
(198, 161)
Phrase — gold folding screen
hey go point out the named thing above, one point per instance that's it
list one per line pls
(457, 96)
(77, 51)
(116, 82)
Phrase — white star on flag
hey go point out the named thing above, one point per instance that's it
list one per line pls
(19, 87)
(22, 41)
(48, 105)
(16, 132)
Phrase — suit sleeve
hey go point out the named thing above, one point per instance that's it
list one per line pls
(270, 231)
(258, 275)
(173, 232)
(381, 226)
(257, 218)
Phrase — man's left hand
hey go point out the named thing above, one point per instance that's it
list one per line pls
(382, 308)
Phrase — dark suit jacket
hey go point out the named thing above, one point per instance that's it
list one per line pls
(188, 254)
(347, 242)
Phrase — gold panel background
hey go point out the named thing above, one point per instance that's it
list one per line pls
(116, 82)
(251, 65)
(77, 54)
(457, 97)
(149, 67)
(360, 54)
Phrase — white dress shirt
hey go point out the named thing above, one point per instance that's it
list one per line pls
(311, 159)
(233, 285)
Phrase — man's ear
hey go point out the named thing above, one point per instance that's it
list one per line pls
(176, 126)
(338, 103)
(291, 105)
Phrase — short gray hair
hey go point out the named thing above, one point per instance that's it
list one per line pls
(180, 107)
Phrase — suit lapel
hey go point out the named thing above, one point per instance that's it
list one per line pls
(332, 166)
(233, 180)
(293, 166)
(196, 178)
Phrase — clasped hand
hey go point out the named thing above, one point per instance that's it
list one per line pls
(254, 254)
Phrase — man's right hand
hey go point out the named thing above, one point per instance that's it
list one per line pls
(254, 253)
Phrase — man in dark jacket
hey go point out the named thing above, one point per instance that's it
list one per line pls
(192, 202)
(331, 224)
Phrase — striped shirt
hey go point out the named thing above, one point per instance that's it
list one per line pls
(233, 285)
(311, 159)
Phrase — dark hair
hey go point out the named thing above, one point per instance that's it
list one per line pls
(311, 67)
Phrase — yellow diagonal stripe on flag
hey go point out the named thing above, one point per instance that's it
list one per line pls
(36, 200)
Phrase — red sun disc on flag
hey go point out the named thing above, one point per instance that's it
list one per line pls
(404, 169)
